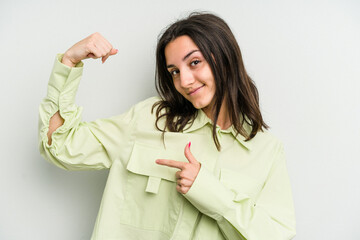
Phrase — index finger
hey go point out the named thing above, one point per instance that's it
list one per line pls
(171, 163)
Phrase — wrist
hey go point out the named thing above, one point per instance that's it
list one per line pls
(67, 61)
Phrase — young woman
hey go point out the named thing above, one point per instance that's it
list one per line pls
(194, 163)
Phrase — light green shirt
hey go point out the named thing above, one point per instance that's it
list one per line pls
(240, 192)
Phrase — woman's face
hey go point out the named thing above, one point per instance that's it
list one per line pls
(191, 73)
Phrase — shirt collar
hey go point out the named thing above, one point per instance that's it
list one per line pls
(201, 120)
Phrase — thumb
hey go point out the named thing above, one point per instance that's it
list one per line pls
(188, 154)
(113, 51)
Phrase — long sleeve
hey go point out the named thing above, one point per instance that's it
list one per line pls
(270, 216)
(77, 145)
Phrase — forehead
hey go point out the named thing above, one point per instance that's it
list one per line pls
(178, 48)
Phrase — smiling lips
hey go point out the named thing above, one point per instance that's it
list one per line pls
(195, 90)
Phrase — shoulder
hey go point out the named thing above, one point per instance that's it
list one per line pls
(266, 139)
(145, 114)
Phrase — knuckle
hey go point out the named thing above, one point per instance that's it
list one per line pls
(90, 45)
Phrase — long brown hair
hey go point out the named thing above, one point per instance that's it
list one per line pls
(220, 49)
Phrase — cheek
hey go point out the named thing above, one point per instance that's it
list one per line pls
(208, 77)
(177, 87)
(211, 83)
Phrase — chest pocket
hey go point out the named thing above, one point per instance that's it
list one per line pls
(151, 200)
(142, 162)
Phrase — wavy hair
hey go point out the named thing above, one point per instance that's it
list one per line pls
(220, 49)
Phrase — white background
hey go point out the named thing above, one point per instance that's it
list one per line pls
(303, 55)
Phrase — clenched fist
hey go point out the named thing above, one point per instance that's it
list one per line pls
(94, 46)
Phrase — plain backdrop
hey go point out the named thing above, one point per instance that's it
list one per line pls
(303, 55)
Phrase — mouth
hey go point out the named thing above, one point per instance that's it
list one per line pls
(192, 92)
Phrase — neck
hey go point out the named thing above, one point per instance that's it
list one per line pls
(223, 121)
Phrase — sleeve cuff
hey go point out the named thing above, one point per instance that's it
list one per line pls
(63, 78)
(209, 196)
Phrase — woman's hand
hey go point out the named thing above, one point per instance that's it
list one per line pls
(188, 173)
(94, 46)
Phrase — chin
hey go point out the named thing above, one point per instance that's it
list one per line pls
(197, 107)
(200, 105)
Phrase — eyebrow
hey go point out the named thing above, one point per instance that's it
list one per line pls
(186, 56)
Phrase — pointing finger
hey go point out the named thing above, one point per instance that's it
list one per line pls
(171, 163)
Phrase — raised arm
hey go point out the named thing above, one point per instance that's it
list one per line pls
(64, 139)
(94, 46)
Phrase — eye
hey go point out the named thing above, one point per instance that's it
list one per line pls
(174, 72)
(195, 62)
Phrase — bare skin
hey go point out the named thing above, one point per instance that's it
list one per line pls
(94, 46)
(193, 78)
(188, 170)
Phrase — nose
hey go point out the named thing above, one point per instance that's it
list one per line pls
(186, 78)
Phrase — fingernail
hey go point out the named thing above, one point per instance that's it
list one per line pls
(189, 144)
